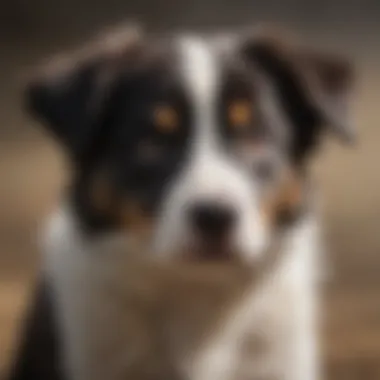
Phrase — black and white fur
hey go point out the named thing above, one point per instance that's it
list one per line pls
(100, 110)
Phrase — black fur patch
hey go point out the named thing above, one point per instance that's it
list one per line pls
(101, 110)
(106, 125)
(305, 119)
(138, 160)
(68, 106)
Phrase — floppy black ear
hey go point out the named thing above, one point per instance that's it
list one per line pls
(65, 103)
(68, 96)
(314, 87)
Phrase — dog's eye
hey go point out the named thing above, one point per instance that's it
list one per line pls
(240, 114)
(165, 118)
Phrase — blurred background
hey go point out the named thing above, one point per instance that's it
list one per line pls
(33, 170)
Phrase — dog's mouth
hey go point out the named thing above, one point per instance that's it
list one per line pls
(211, 250)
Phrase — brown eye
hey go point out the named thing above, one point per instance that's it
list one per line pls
(165, 118)
(240, 114)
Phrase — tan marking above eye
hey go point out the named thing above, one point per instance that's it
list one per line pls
(165, 118)
(240, 113)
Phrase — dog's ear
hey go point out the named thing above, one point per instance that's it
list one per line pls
(314, 87)
(68, 95)
(330, 79)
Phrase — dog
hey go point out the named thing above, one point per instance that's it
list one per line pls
(191, 152)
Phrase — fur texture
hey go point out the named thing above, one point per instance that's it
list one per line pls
(155, 128)
(124, 316)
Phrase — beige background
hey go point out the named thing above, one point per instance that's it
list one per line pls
(32, 168)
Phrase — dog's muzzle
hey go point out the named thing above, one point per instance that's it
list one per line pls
(212, 223)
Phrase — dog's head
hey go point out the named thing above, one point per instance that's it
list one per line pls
(189, 143)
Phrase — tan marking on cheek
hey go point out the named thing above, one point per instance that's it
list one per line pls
(240, 114)
(291, 193)
(132, 217)
(102, 195)
(268, 210)
(127, 213)
(165, 118)
(287, 196)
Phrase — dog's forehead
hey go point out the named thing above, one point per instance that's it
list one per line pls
(205, 59)
(199, 62)
(200, 71)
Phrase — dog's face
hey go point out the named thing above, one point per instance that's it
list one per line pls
(192, 144)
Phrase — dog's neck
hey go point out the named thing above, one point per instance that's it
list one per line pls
(189, 316)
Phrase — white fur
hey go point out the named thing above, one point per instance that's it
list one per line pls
(281, 310)
(88, 279)
(211, 173)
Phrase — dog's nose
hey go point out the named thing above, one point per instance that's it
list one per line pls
(212, 219)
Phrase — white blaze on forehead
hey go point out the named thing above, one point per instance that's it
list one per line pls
(199, 68)
(211, 173)
(200, 76)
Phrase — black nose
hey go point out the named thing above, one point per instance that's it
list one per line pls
(212, 219)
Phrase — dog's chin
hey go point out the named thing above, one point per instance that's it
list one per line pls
(199, 252)
(214, 252)
(245, 248)
(211, 251)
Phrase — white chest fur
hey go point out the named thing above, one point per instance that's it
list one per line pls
(122, 319)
